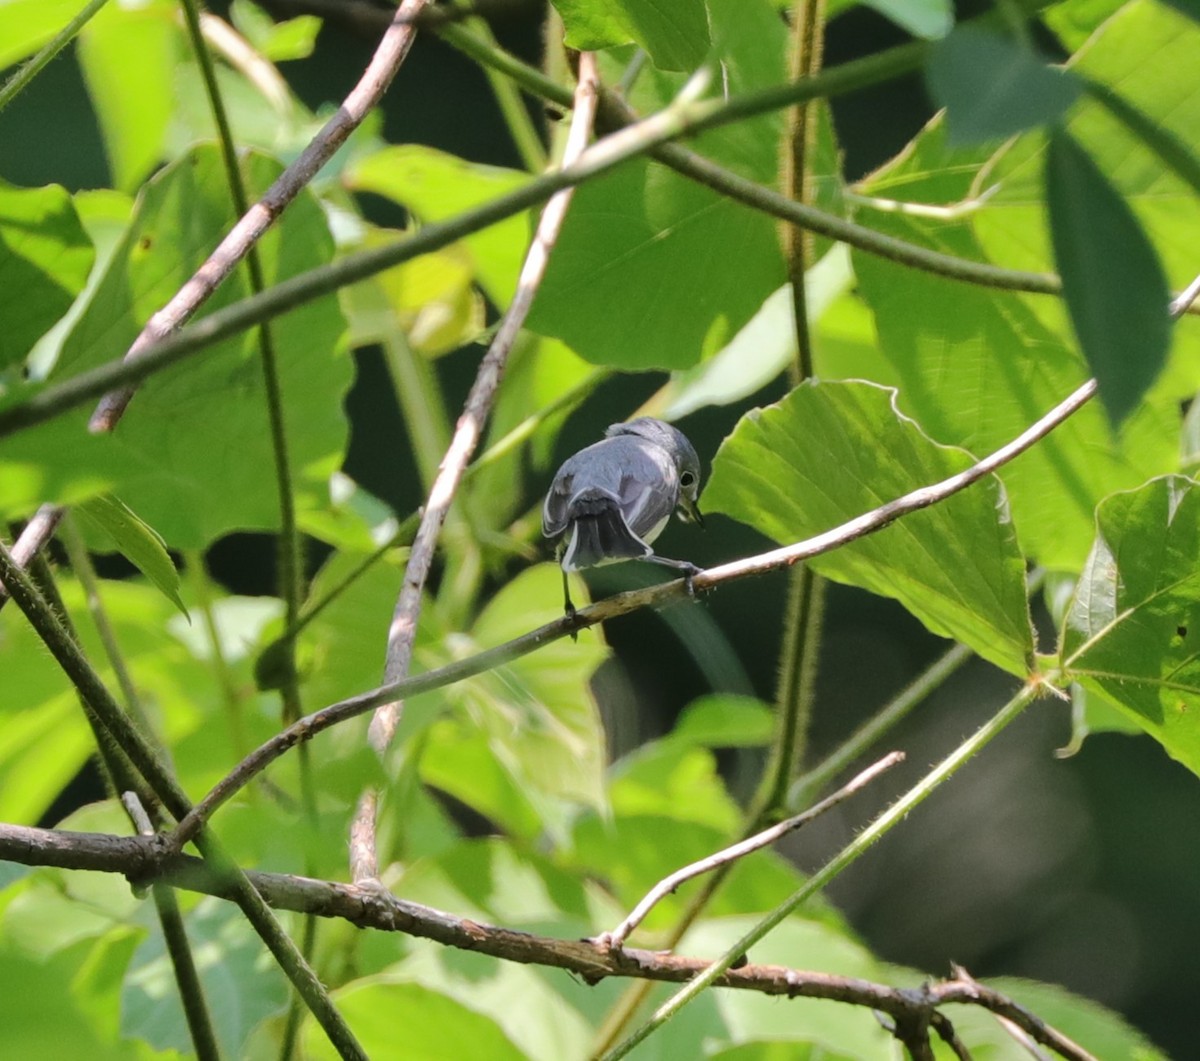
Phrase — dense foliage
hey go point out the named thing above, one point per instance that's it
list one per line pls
(1030, 238)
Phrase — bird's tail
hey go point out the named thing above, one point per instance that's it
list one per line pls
(599, 533)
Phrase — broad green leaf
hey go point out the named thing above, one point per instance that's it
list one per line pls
(763, 348)
(722, 720)
(675, 35)
(1098, 1030)
(993, 86)
(45, 256)
(540, 1014)
(44, 738)
(242, 984)
(193, 454)
(842, 1029)
(409, 1022)
(670, 778)
(128, 54)
(37, 1014)
(654, 271)
(1135, 618)
(1112, 280)
(976, 366)
(436, 186)
(28, 24)
(135, 540)
(830, 452)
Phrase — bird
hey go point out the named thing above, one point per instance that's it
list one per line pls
(609, 501)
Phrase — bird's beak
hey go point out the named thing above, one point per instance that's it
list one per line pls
(689, 511)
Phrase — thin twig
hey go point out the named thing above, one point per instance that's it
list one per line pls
(403, 629)
(245, 234)
(621, 604)
(616, 938)
(144, 858)
(30, 542)
(475, 412)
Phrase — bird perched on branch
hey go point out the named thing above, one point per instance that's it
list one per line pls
(611, 500)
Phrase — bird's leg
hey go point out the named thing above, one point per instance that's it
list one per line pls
(688, 569)
(568, 607)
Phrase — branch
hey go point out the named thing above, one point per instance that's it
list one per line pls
(38, 531)
(621, 604)
(403, 631)
(142, 859)
(245, 234)
(667, 886)
(27, 72)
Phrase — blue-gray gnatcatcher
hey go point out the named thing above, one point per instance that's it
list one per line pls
(610, 501)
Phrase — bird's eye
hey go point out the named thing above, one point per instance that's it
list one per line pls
(687, 479)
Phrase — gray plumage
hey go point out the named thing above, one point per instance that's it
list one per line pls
(610, 501)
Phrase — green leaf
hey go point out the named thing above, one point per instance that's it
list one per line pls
(134, 539)
(45, 256)
(242, 984)
(655, 271)
(846, 1030)
(28, 24)
(722, 720)
(830, 452)
(1113, 282)
(193, 454)
(436, 186)
(928, 19)
(975, 367)
(435, 1026)
(292, 38)
(675, 35)
(1134, 621)
(128, 54)
(993, 86)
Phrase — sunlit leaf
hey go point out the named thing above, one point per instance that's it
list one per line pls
(193, 454)
(830, 452)
(675, 35)
(435, 1026)
(127, 54)
(45, 256)
(436, 186)
(1133, 623)
(293, 38)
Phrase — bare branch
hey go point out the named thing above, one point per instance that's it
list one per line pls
(392, 50)
(403, 630)
(616, 938)
(38, 531)
(621, 604)
(143, 859)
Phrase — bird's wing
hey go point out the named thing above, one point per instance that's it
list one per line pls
(555, 512)
(649, 489)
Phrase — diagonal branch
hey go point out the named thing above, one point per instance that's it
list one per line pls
(392, 50)
(143, 859)
(403, 630)
(621, 604)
